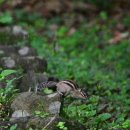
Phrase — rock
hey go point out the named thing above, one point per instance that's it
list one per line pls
(19, 31)
(27, 51)
(27, 63)
(34, 63)
(15, 50)
(28, 103)
(32, 102)
(19, 113)
(54, 107)
(23, 51)
(4, 29)
(7, 50)
(47, 123)
(25, 58)
(8, 62)
(31, 80)
(50, 123)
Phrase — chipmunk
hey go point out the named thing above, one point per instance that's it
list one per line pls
(64, 87)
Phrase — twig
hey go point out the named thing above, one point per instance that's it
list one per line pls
(53, 118)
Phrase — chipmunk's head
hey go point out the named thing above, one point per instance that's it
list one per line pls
(78, 93)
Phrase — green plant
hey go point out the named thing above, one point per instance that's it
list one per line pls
(41, 114)
(61, 125)
(103, 15)
(126, 21)
(83, 112)
(7, 93)
(47, 91)
(1, 1)
(9, 89)
(102, 72)
(126, 124)
(30, 128)
(13, 127)
(6, 18)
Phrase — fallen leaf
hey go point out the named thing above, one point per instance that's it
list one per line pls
(118, 37)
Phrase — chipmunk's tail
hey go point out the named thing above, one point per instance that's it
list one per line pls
(46, 84)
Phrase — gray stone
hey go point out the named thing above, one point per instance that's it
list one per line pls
(18, 30)
(32, 102)
(8, 62)
(23, 51)
(54, 107)
(30, 80)
(19, 113)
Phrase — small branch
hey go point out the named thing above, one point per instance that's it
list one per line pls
(53, 118)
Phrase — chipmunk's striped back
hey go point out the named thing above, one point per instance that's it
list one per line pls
(70, 83)
(46, 84)
(64, 87)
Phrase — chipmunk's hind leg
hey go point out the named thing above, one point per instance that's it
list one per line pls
(59, 92)
(29, 90)
(36, 88)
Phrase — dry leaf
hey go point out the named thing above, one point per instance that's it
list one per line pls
(118, 37)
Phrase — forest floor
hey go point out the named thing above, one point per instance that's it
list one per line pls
(91, 47)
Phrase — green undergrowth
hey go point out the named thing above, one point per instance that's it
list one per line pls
(7, 94)
(98, 67)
